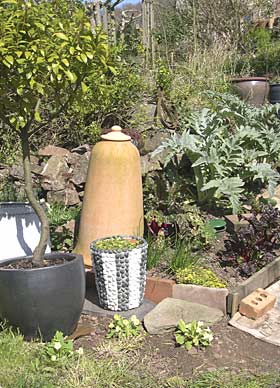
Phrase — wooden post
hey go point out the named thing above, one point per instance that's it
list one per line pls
(152, 26)
(97, 13)
(105, 19)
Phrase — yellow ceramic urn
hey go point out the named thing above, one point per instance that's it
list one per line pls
(113, 198)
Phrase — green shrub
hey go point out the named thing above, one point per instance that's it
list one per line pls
(232, 147)
(199, 276)
(62, 238)
(193, 334)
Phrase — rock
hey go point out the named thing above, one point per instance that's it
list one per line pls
(211, 297)
(55, 174)
(80, 171)
(4, 172)
(166, 315)
(144, 115)
(82, 149)
(73, 159)
(153, 141)
(68, 196)
(51, 150)
(17, 172)
(151, 163)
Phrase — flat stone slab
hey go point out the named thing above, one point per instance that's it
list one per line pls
(91, 306)
(166, 315)
(211, 297)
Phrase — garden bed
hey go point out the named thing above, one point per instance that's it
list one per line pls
(261, 279)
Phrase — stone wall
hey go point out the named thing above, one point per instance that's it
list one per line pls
(60, 174)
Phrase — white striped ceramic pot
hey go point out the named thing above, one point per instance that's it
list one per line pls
(120, 274)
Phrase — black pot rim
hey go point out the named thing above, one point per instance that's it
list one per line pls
(49, 256)
(96, 249)
(249, 79)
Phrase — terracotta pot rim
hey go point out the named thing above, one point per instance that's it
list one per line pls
(246, 79)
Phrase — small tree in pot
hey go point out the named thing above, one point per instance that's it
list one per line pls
(47, 49)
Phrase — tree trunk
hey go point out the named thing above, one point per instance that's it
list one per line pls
(39, 251)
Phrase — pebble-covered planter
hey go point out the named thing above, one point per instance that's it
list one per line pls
(120, 275)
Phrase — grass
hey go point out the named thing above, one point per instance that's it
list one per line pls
(113, 364)
(157, 249)
(182, 256)
(178, 256)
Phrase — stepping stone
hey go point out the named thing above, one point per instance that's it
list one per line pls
(82, 330)
(166, 315)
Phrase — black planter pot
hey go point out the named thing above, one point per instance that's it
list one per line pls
(41, 301)
(254, 90)
(274, 93)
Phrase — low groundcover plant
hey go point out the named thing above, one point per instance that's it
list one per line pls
(193, 334)
(123, 328)
(60, 348)
(199, 276)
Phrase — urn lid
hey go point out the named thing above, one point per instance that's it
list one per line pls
(116, 134)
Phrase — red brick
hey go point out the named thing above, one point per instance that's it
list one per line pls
(257, 304)
(158, 289)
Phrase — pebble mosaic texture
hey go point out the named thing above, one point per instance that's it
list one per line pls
(120, 275)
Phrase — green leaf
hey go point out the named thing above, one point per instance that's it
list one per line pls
(181, 325)
(40, 26)
(9, 59)
(89, 55)
(180, 339)
(84, 58)
(61, 35)
(71, 50)
(37, 116)
(188, 345)
(65, 61)
(113, 70)
(84, 87)
(72, 76)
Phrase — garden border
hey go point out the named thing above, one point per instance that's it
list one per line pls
(158, 289)
(261, 279)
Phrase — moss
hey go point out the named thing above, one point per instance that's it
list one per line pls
(199, 276)
(117, 243)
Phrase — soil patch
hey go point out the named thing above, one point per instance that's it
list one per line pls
(231, 349)
(27, 264)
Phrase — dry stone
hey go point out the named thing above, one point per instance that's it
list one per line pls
(51, 150)
(68, 196)
(82, 149)
(73, 159)
(149, 164)
(4, 172)
(80, 171)
(166, 315)
(153, 141)
(55, 174)
(17, 172)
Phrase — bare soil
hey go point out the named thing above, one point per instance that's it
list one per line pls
(231, 349)
(28, 264)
